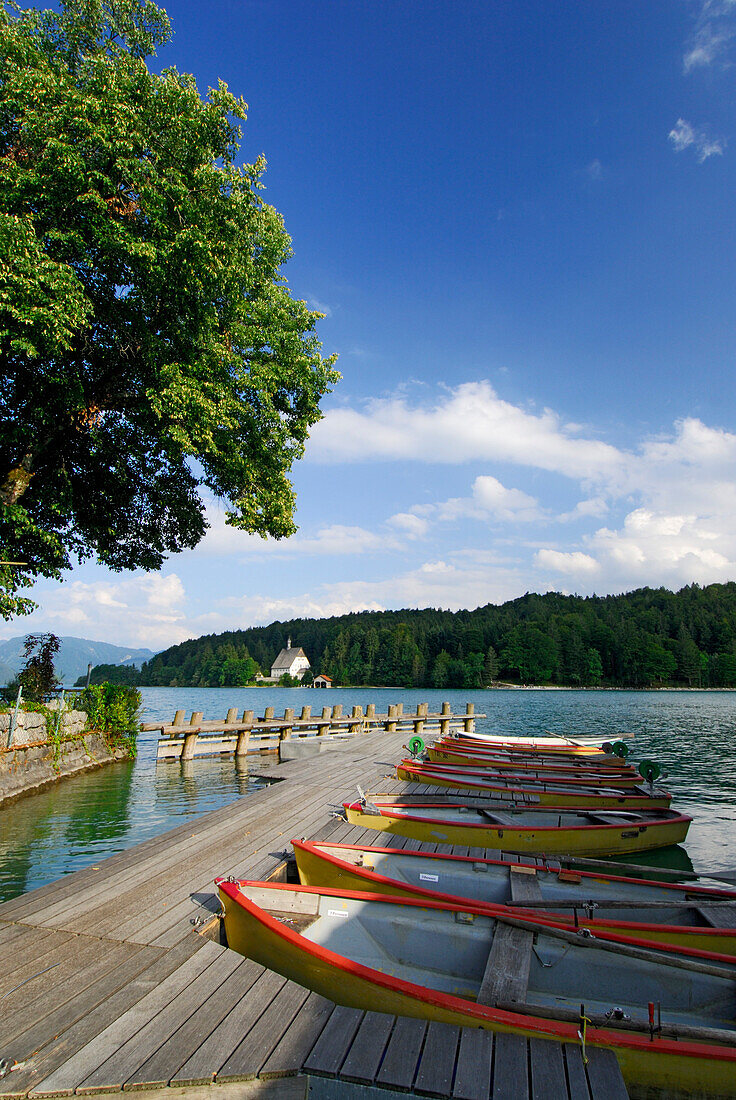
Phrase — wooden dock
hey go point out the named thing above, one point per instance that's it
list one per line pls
(306, 735)
(108, 985)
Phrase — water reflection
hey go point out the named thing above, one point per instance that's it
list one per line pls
(82, 820)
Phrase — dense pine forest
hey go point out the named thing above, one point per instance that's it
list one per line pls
(646, 638)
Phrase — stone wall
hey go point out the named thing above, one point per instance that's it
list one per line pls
(30, 726)
(33, 761)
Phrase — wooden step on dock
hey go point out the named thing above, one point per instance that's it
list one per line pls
(108, 985)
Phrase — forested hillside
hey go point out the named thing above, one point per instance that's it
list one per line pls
(650, 637)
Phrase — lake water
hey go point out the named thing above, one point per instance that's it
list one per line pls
(82, 820)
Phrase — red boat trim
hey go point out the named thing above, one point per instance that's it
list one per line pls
(556, 1028)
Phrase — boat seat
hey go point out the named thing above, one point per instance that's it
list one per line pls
(506, 976)
(524, 886)
(718, 916)
(496, 818)
(622, 819)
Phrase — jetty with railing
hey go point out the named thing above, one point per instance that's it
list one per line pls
(114, 978)
(294, 737)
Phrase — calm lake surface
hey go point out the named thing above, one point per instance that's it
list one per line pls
(83, 820)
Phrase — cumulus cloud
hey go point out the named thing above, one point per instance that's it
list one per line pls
(413, 526)
(143, 610)
(457, 581)
(574, 563)
(468, 423)
(684, 136)
(333, 538)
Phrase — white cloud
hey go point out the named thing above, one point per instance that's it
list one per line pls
(683, 136)
(509, 504)
(145, 610)
(469, 423)
(713, 31)
(462, 580)
(320, 307)
(335, 538)
(573, 563)
(413, 526)
(595, 170)
(670, 549)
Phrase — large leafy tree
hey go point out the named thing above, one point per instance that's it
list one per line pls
(150, 349)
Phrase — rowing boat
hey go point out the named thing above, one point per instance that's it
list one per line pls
(460, 965)
(692, 917)
(547, 794)
(441, 752)
(549, 773)
(566, 756)
(532, 831)
(583, 744)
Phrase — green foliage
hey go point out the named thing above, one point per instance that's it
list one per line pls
(37, 677)
(111, 674)
(647, 638)
(112, 710)
(150, 344)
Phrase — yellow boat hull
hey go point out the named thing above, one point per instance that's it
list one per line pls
(647, 1070)
(591, 840)
(546, 798)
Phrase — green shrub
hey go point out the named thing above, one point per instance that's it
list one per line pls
(112, 710)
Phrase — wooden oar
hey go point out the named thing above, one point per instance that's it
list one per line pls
(579, 903)
(671, 1031)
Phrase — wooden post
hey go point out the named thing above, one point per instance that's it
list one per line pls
(288, 714)
(178, 718)
(268, 713)
(399, 709)
(391, 723)
(232, 716)
(469, 719)
(370, 710)
(241, 749)
(446, 708)
(326, 713)
(190, 740)
(306, 714)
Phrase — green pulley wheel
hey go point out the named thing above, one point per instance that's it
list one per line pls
(416, 746)
(621, 749)
(649, 770)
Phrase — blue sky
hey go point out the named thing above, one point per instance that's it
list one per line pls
(519, 221)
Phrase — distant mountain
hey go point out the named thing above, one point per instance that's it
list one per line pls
(73, 657)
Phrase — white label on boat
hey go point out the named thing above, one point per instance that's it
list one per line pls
(428, 878)
(337, 913)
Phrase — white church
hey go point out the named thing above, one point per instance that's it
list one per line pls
(293, 660)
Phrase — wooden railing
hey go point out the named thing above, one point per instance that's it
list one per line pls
(246, 734)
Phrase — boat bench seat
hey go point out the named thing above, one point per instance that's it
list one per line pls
(498, 819)
(524, 886)
(718, 916)
(506, 976)
(610, 819)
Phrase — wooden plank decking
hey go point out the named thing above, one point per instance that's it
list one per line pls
(106, 986)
